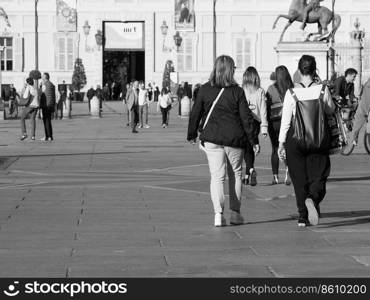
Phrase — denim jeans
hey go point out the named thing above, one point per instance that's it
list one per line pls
(143, 113)
(220, 159)
(32, 112)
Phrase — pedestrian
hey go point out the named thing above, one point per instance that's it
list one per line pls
(157, 92)
(344, 89)
(13, 106)
(62, 100)
(47, 105)
(106, 92)
(150, 92)
(143, 106)
(133, 105)
(227, 126)
(100, 95)
(256, 100)
(164, 104)
(195, 92)
(275, 98)
(180, 94)
(363, 111)
(90, 94)
(125, 106)
(309, 168)
(31, 97)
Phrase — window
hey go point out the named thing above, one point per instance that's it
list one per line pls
(65, 50)
(185, 55)
(6, 54)
(242, 46)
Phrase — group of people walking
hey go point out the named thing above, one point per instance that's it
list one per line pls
(228, 120)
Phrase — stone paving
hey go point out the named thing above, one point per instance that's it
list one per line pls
(102, 202)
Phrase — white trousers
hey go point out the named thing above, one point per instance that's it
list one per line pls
(221, 158)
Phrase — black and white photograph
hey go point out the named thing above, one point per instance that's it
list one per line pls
(178, 148)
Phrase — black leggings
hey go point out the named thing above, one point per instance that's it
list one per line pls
(274, 129)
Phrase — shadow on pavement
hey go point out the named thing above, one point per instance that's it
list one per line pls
(339, 179)
(345, 223)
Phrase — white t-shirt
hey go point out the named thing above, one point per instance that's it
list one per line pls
(143, 97)
(303, 94)
(164, 101)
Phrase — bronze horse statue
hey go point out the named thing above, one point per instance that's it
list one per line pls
(321, 15)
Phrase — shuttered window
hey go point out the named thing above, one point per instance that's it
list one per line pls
(65, 52)
(7, 55)
(185, 55)
(242, 46)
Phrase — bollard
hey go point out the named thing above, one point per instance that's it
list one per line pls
(67, 108)
(95, 107)
(185, 107)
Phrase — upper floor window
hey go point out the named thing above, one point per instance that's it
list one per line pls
(7, 60)
(242, 48)
(185, 55)
(65, 52)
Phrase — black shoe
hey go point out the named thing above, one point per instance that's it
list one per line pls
(245, 181)
(318, 209)
(135, 131)
(303, 221)
(23, 137)
(253, 178)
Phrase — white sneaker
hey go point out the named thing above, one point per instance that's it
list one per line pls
(140, 126)
(236, 218)
(146, 126)
(220, 220)
(313, 216)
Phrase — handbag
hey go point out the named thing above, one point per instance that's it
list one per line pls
(201, 143)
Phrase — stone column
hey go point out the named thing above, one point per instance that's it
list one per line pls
(357, 37)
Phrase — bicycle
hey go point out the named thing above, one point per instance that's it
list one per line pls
(347, 122)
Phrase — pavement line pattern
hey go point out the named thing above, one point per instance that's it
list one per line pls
(21, 185)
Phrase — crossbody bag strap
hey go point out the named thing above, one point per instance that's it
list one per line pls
(213, 106)
(294, 95)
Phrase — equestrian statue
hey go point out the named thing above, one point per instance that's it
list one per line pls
(4, 16)
(311, 12)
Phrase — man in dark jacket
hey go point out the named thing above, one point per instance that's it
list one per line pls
(90, 94)
(344, 87)
(47, 104)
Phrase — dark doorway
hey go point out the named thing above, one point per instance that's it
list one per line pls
(121, 67)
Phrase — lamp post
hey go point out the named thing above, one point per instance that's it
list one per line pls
(357, 37)
(164, 30)
(86, 29)
(36, 36)
(178, 41)
(214, 31)
(2, 113)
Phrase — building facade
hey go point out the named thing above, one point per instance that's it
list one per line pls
(244, 31)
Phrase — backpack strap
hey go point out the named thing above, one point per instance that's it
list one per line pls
(293, 95)
(322, 92)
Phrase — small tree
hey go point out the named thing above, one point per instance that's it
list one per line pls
(79, 75)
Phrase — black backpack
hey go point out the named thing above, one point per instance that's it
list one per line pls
(310, 127)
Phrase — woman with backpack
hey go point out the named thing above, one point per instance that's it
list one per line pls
(256, 100)
(275, 99)
(303, 141)
(227, 126)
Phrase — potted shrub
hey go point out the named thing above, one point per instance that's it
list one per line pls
(78, 79)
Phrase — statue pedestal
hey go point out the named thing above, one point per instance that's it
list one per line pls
(289, 54)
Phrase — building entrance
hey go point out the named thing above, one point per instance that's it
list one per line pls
(122, 67)
(123, 54)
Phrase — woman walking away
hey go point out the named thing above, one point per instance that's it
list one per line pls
(164, 104)
(256, 100)
(275, 98)
(227, 126)
(305, 150)
(31, 95)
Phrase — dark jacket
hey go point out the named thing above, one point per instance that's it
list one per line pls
(231, 123)
(344, 89)
(48, 96)
(90, 94)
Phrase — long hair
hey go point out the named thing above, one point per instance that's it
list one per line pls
(223, 72)
(283, 80)
(251, 79)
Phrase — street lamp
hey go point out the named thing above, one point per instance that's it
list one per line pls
(164, 30)
(36, 36)
(98, 37)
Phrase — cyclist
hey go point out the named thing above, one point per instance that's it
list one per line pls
(344, 88)
(362, 112)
